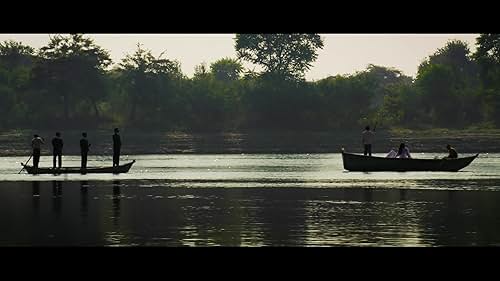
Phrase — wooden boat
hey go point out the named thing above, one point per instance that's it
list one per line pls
(356, 162)
(77, 170)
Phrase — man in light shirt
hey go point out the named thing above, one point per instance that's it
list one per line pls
(367, 140)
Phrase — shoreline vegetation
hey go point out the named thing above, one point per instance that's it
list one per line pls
(71, 85)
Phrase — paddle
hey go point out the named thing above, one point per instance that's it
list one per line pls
(26, 163)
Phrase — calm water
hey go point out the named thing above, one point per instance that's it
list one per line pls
(250, 200)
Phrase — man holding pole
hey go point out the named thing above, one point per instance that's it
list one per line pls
(36, 144)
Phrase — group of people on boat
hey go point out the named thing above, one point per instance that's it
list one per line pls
(58, 144)
(403, 151)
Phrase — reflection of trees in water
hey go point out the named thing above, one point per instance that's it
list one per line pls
(150, 216)
(360, 216)
(463, 218)
(282, 214)
(235, 217)
(213, 217)
(255, 216)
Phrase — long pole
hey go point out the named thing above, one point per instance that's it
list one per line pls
(26, 163)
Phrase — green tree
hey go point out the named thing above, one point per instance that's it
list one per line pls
(226, 69)
(488, 58)
(16, 63)
(73, 67)
(488, 48)
(448, 81)
(382, 81)
(145, 80)
(283, 55)
(14, 53)
(436, 84)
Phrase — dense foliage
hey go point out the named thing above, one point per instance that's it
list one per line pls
(72, 83)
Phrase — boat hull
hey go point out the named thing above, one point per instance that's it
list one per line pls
(361, 163)
(77, 170)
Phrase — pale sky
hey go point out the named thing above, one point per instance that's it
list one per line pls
(341, 54)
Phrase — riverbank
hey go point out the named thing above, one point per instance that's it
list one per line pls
(17, 142)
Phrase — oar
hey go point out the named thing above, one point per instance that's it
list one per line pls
(26, 163)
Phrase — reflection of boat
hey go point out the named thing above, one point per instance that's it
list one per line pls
(355, 162)
(77, 170)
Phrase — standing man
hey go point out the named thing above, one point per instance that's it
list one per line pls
(36, 144)
(57, 146)
(117, 144)
(84, 150)
(367, 140)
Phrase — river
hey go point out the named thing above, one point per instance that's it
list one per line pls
(238, 199)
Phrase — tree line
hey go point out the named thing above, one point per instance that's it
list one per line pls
(72, 83)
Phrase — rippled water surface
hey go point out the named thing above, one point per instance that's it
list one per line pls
(250, 200)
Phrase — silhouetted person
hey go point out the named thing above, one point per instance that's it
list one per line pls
(452, 152)
(117, 144)
(367, 140)
(403, 151)
(57, 146)
(36, 144)
(84, 150)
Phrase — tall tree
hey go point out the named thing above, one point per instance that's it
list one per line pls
(144, 78)
(284, 55)
(14, 53)
(201, 71)
(448, 81)
(16, 62)
(488, 58)
(488, 47)
(75, 66)
(226, 69)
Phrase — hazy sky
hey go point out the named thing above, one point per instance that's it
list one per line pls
(342, 53)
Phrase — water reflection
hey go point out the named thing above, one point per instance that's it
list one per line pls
(157, 214)
(402, 194)
(116, 202)
(84, 205)
(36, 196)
(57, 197)
(278, 212)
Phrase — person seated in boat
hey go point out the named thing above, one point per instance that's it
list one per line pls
(403, 151)
(452, 152)
(391, 154)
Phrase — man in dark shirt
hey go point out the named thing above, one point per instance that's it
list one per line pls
(117, 144)
(84, 149)
(57, 144)
(453, 153)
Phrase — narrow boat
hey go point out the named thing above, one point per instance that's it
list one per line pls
(361, 163)
(77, 170)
